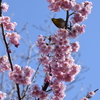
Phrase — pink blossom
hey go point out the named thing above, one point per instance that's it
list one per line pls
(13, 38)
(84, 11)
(76, 30)
(68, 78)
(50, 1)
(43, 95)
(35, 87)
(58, 90)
(67, 4)
(75, 46)
(2, 95)
(75, 70)
(55, 7)
(5, 6)
(88, 6)
(77, 7)
(10, 26)
(46, 68)
(4, 65)
(4, 19)
(60, 37)
(37, 92)
(89, 95)
(43, 46)
(73, 33)
(28, 71)
(92, 93)
(60, 63)
(78, 18)
(44, 60)
(48, 78)
(80, 28)
(84, 98)
(84, 8)
(21, 75)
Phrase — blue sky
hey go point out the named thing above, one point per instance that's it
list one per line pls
(37, 11)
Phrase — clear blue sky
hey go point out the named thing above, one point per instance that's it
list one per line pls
(36, 11)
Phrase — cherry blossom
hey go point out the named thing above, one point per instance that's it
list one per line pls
(4, 65)
(5, 6)
(21, 75)
(13, 38)
(2, 95)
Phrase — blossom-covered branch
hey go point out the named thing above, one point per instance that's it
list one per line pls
(56, 50)
(89, 95)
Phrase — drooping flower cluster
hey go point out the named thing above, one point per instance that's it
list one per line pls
(38, 93)
(13, 38)
(9, 26)
(4, 65)
(21, 75)
(2, 95)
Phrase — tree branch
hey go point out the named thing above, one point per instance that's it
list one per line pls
(7, 49)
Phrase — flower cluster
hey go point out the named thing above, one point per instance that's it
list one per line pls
(60, 63)
(9, 26)
(58, 90)
(4, 65)
(2, 95)
(90, 95)
(4, 6)
(56, 50)
(57, 61)
(21, 75)
(76, 30)
(43, 47)
(38, 93)
(57, 5)
(13, 38)
(81, 10)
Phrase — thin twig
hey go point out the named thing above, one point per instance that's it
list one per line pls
(27, 88)
(29, 54)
